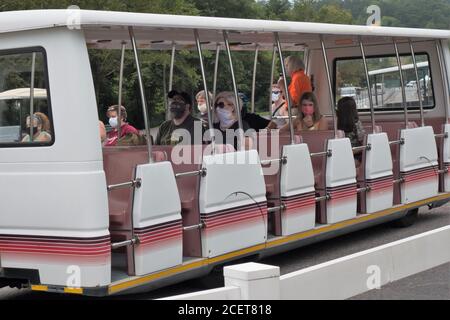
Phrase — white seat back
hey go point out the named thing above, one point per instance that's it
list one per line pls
(418, 164)
(157, 219)
(297, 190)
(341, 181)
(378, 173)
(232, 202)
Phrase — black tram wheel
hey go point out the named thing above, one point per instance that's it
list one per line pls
(408, 220)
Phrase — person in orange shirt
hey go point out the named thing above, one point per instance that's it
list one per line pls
(300, 82)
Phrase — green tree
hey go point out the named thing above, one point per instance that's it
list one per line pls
(277, 9)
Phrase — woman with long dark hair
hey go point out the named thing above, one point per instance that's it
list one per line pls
(348, 121)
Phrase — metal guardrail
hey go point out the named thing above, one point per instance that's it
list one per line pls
(122, 244)
(281, 207)
(323, 198)
(131, 184)
(400, 142)
(442, 135)
(327, 153)
(361, 148)
(195, 227)
(282, 160)
(201, 172)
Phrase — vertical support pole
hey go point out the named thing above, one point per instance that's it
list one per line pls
(369, 86)
(402, 84)
(205, 88)
(141, 88)
(419, 96)
(306, 56)
(272, 70)
(33, 70)
(233, 78)
(444, 78)
(172, 64)
(216, 68)
(330, 87)
(255, 66)
(119, 103)
(288, 98)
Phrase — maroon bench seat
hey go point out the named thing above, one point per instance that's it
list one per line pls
(272, 177)
(119, 164)
(317, 142)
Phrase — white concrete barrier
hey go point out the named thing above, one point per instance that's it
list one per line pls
(337, 279)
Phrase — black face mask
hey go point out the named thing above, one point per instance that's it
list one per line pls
(177, 109)
(35, 129)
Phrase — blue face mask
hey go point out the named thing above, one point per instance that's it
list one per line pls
(226, 117)
(113, 122)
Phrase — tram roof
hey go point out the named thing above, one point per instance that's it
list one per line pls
(107, 29)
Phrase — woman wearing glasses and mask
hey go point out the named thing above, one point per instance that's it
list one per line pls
(225, 110)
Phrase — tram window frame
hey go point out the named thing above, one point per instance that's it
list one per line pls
(31, 50)
(397, 109)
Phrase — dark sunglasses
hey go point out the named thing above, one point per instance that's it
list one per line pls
(220, 105)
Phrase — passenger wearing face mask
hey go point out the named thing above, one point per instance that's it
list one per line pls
(180, 106)
(112, 138)
(225, 109)
(202, 107)
(41, 128)
(279, 108)
(309, 117)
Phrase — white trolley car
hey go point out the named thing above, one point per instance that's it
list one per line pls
(81, 219)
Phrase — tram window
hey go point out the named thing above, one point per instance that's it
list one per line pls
(16, 77)
(350, 81)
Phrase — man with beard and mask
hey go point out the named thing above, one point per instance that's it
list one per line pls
(125, 128)
(182, 125)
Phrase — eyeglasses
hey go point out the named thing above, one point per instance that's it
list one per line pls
(276, 92)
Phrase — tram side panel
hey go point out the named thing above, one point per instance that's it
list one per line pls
(157, 219)
(233, 205)
(418, 164)
(341, 181)
(54, 207)
(378, 173)
(446, 158)
(297, 190)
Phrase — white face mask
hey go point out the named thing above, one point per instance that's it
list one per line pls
(203, 108)
(113, 122)
(275, 97)
(225, 117)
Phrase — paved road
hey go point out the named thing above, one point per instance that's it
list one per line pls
(433, 284)
(293, 260)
